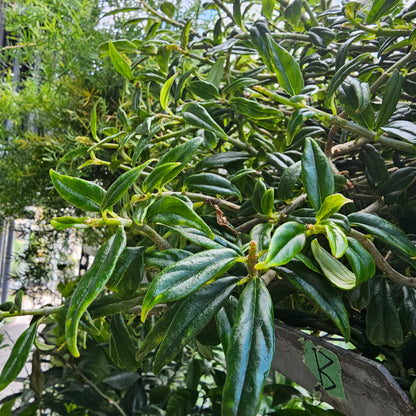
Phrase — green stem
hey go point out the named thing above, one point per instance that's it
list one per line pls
(227, 12)
(310, 13)
(50, 310)
(150, 233)
(202, 197)
(384, 32)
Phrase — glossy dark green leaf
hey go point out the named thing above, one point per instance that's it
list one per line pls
(402, 129)
(181, 402)
(288, 240)
(331, 204)
(187, 275)
(250, 351)
(172, 211)
(122, 347)
(391, 97)
(374, 165)
(322, 293)
(182, 153)
(204, 90)
(288, 180)
(128, 272)
(383, 325)
(253, 110)
(360, 261)
(383, 230)
(193, 314)
(225, 319)
(267, 202)
(164, 258)
(380, 8)
(119, 62)
(196, 237)
(221, 160)
(121, 185)
(333, 269)
(408, 308)
(140, 209)
(317, 176)
(159, 176)
(342, 73)
(157, 332)
(237, 13)
(18, 356)
(91, 284)
(211, 184)
(293, 12)
(258, 193)
(216, 72)
(198, 116)
(79, 192)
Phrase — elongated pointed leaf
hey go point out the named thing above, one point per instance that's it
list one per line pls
(160, 176)
(212, 184)
(380, 8)
(390, 98)
(164, 92)
(383, 324)
(122, 345)
(121, 185)
(267, 8)
(288, 240)
(333, 269)
(383, 230)
(172, 211)
(320, 291)
(79, 192)
(225, 319)
(187, 275)
(337, 239)
(119, 62)
(331, 205)
(91, 284)
(288, 181)
(317, 176)
(250, 352)
(342, 73)
(18, 356)
(360, 261)
(193, 314)
(197, 116)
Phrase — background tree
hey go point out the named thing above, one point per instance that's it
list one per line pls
(273, 152)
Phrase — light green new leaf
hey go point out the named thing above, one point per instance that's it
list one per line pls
(197, 116)
(164, 92)
(380, 8)
(119, 62)
(317, 176)
(187, 275)
(18, 356)
(288, 240)
(172, 211)
(121, 185)
(91, 284)
(267, 8)
(337, 239)
(79, 192)
(331, 205)
(250, 351)
(333, 269)
(193, 314)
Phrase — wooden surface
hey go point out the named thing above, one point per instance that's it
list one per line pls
(370, 390)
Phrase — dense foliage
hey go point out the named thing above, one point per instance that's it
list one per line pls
(264, 169)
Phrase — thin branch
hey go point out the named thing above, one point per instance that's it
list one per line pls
(381, 263)
(150, 233)
(227, 12)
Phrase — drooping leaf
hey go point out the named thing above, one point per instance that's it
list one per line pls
(250, 351)
(18, 356)
(193, 314)
(91, 284)
(325, 296)
(333, 269)
(360, 261)
(212, 184)
(336, 237)
(187, 275)
(119, 62)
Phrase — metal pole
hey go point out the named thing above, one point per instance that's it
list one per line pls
(8, 260)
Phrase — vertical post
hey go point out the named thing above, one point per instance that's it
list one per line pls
(8, 253)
